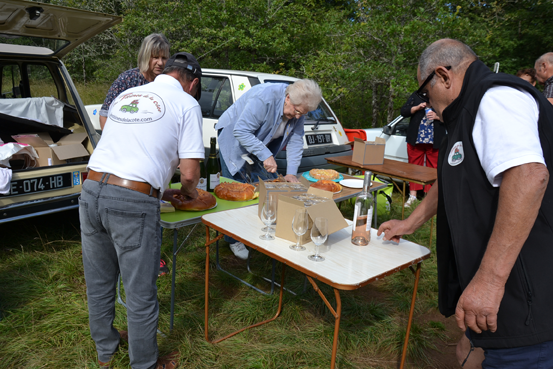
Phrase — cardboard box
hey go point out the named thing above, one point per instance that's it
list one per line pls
(67, 149)
(287, 206)
(368, 152)
(277, 188)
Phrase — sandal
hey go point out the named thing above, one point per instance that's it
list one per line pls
(107, 365)
(168, 361)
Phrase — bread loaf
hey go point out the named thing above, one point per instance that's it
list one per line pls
(324, 174)
(204, 201)
(327, 185)
(235, 191)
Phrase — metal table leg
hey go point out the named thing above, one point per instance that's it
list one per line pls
(210, 241)
(337, 315)
(174, 272)
(411, 311)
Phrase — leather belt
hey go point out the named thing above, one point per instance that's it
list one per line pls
(112, 179)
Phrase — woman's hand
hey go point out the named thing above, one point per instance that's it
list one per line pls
(291, 178)
(270, 164)
(432, 115)
(418, 107)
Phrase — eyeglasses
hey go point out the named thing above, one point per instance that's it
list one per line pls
(423, 95)
(297, 112)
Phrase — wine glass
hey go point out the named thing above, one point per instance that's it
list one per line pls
(268, 215)
(299, 226)
(319, 233)
(272, 226)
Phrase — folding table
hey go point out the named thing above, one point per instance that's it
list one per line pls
(347, 266)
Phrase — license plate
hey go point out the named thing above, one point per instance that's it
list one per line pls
(40, 184)
(319, 139)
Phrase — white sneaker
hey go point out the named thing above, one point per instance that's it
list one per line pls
(239, 250)
(410, 201)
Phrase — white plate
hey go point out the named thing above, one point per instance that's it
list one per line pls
(352, 183)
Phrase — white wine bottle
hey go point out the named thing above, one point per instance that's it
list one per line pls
(363, 214)
(202, 184)
(212, 167)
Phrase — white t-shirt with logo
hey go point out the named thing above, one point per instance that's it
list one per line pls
(149, 129)
(505, 131)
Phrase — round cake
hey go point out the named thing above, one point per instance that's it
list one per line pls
(324, 173)
(235, 191)
(327, 185)
(204, 201)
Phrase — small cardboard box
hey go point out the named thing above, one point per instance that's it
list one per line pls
(287, 208)
(369, 152)
(277, 188)
(49, 153)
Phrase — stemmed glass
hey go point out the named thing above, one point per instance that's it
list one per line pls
(268, 215)
(319, 233)
(299, 226)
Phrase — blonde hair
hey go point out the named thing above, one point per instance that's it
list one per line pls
(153, 45)
(306, 92)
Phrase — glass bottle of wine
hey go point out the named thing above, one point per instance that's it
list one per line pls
(212, 167)
(202, 184)
(363, 214)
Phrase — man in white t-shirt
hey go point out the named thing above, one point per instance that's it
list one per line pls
(152, 129)
(492, 198)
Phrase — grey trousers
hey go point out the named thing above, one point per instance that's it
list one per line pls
(120, 233)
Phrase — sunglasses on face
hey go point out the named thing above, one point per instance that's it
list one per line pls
(423, 95)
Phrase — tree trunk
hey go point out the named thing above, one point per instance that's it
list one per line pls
(374, 121)
(391, 102)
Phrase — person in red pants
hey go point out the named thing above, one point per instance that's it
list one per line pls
(424, 136)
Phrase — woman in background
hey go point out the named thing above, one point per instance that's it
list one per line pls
(152, 55)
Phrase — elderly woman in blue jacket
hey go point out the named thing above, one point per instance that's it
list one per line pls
(260, 124)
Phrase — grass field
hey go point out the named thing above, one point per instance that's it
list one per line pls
(45, 325)
(92, 92)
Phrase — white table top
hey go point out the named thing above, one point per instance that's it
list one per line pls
(346, 266)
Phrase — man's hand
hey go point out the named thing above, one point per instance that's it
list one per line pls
(270, 164)
(479, 303)
(432, 115)
(176, 202)
(393, 230)
(291, 178)
(418, 107)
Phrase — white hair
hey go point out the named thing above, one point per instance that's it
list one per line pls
(547, 58)
(305, 92)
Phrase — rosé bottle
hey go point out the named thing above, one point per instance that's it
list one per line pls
(363, 214)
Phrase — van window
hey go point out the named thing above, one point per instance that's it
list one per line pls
(216, 96)
(12, 83)
(41, 82)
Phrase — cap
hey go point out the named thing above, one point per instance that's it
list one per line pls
(187, 61)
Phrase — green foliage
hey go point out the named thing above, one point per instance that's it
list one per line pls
(363, 53)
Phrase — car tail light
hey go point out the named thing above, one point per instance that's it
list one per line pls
(84, 175)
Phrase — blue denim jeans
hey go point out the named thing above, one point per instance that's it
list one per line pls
(120, 234)
(538, 356)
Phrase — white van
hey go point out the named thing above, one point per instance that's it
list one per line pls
(40, 106)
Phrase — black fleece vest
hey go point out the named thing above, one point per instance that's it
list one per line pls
(466, 214)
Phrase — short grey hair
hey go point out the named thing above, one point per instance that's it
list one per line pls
(547, 58)
(445, 52)
(305, 92)
(153, 45)
(183, 73)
